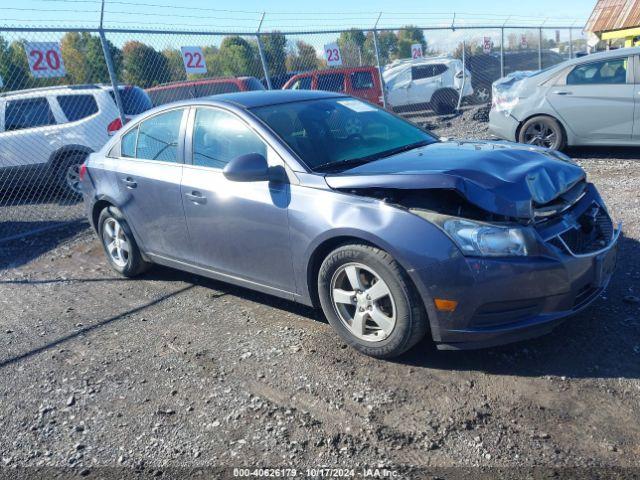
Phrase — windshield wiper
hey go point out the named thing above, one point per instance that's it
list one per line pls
(352, 162)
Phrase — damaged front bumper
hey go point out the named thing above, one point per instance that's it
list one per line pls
(504, 300)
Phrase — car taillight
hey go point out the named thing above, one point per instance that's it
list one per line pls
(114, 126)
(83, 171)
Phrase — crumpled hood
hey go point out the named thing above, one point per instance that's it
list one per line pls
(502, 178)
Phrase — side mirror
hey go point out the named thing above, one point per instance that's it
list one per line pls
(251, 167)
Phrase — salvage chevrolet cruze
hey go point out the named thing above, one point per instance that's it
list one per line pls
(329, 201)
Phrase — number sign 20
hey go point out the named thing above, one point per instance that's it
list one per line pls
(45, 59)
(193, 59)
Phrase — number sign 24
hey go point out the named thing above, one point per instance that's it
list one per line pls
(193, 59)
(45, 59)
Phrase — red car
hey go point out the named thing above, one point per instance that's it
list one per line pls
(362, 82)
(172, 92)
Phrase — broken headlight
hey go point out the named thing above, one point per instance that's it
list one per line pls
(485, 239)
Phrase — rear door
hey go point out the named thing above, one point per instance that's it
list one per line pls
(596, 99)
(148, 172)
(30, 134)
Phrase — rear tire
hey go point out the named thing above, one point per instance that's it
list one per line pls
(381, 315)
(543, 131)
(445, 102)
(67, 175)
(119, 245)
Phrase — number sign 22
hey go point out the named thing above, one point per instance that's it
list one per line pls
(193, 59)
(332, 54)
(45, 59)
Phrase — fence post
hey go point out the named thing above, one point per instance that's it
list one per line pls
(464, 73)
(570, 42)
(263, 60)
(375, 46)
(111, 68)
(502, 52)
(540, 48)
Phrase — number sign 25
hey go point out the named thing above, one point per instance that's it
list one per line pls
(332, 54)
(193, 59)
(45, 59)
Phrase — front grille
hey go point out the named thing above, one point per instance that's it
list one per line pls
(593, 232)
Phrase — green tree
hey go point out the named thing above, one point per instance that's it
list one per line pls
(274, 46)
(98, 71)
(303, 58)
(351, 44)
(175, 65)
(73, 47)
(408, 36)
(387, 47)
(237, 56)
(143, 65)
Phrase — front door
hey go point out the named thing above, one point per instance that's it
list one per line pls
(597, 101)
(149, 171)
(239, 229)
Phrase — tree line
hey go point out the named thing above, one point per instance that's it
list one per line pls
(144, 65)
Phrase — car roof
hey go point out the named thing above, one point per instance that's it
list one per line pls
(263, 98)
(202, 81)
(606, 54)
(364, 68)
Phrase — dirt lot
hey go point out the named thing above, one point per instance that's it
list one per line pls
(173, 370)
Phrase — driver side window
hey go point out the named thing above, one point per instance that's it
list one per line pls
(219, 137)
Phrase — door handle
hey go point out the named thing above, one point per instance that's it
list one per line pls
(130, 182)
(563, 93)
(196, 197)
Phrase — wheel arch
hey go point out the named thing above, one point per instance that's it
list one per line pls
(62, 153)
(327, 244)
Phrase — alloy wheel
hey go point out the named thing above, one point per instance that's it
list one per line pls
(116, 242)
(72, 178)
(363, 302)
(541, 135)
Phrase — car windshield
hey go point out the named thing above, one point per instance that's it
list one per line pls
(336, 133)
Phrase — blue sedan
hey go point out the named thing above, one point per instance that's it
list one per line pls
(329, 201)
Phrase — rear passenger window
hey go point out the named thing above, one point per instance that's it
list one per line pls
(77, 107)
(362, 80)
(331, 82)
(158, 137)
(128, 144)
(607, 72)
(29, 113)
(427, 71)
(219, 137)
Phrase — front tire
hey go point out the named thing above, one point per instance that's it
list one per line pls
(543, 131)
(370, 301)
(445, 102)
(119, 245)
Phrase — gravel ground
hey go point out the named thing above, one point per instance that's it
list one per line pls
(173, 372)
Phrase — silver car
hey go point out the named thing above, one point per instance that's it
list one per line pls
(592, 100)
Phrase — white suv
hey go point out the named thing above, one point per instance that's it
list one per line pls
(46, 133)
(427, 82)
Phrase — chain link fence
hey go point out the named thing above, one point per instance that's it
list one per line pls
(64, 92)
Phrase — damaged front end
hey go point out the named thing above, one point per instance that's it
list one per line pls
(575, 221)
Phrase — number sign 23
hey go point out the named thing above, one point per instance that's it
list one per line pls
(193, 59)
(332, 54)
(45, 59)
